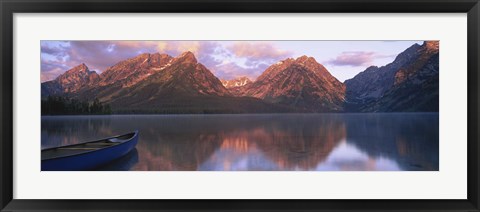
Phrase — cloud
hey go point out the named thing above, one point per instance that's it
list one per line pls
(232, 70)
(225, 59)
(50, 50)
(356, 58)
(199, 48)
(51, 70)
(98, 55)
(59, 56)
(51, 74)
(177, 47)
(258, 51)
(244, 58)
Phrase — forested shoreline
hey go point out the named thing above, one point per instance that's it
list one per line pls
(56, 105)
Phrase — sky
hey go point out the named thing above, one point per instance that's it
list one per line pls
(226, 59)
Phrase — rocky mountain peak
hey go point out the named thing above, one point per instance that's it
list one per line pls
(302, 83)
(188, 57)
(76, 73)
(310, 64)
(305, 59)
(75, 78)
(237, 82)
(158, 60)
(302, 58)
(158, 55)
(431, 46)
(82, 68)
(403, 57)
(130, 71)
(371, 69)
(144, 55)
(410, 82)
(423, 56)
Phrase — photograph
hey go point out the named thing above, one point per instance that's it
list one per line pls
(239, 105)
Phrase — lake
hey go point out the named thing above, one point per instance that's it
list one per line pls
(261, 142)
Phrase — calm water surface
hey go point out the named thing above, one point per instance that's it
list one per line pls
(322, 142)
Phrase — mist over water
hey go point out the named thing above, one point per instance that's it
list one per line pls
(282, 142)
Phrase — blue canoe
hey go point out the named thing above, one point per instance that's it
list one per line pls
(89, 155)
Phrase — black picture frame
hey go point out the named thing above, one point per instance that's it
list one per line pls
(9, 7)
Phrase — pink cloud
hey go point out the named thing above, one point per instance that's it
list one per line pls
(232, 70)
(227, 60)
(258, 51)
(99, 55)
(51, 69)
(51, 74)
(356, 58)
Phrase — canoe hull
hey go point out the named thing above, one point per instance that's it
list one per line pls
(91, 160)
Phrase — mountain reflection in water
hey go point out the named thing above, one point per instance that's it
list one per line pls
(283, 142)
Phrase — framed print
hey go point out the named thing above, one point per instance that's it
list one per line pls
(263, 105)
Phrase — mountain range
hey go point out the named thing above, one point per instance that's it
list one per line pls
(409, 83)
(160, 83)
